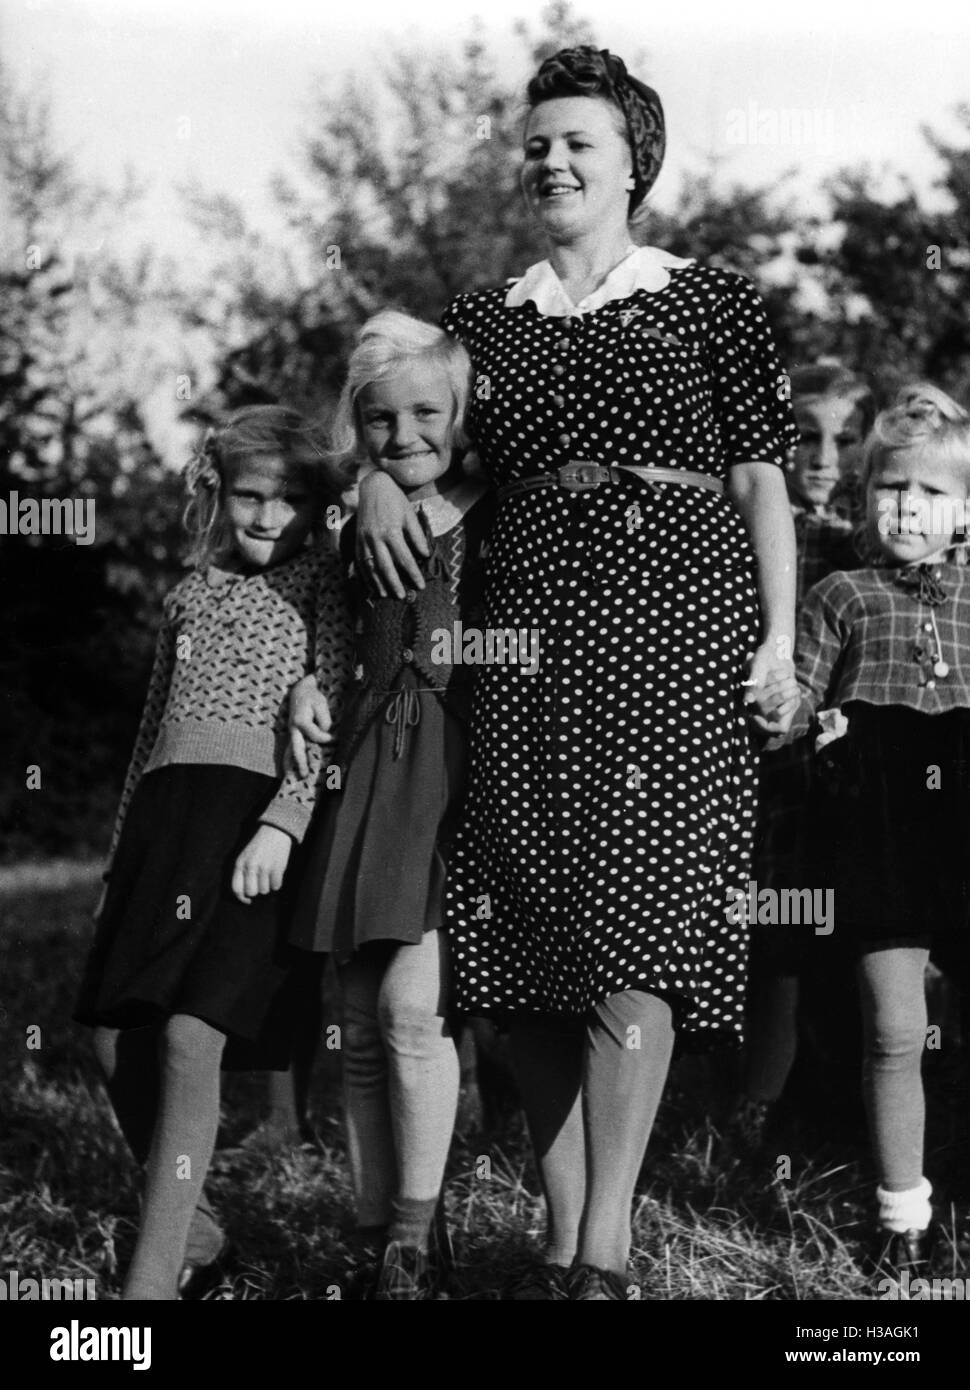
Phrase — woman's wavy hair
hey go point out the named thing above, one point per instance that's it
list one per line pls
(388, 343)
(924, 417)
(252, 432)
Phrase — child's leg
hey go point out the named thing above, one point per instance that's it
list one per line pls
(772, 1037)
(893, 999)
(548, 1058)
(289, 1091)
(629, 1043)
(181, 1151)
(423, 1079)
(129, 1061)
(370, 1137)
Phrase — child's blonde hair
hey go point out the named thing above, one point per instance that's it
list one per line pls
(387, 343)
(254, 431)
(921, 415)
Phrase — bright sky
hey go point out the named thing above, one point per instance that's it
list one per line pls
(222, 90)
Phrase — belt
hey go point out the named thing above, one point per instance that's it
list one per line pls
(581, 476)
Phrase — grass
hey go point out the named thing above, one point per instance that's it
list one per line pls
(709, 1223)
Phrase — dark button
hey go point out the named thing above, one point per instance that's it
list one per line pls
(565, 440)
(558, 400)
(563, 344)
(558, 369)
(407, 654)
(410, 595)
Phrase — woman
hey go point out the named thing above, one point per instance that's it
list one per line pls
(612, 797)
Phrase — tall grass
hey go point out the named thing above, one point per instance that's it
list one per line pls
(710, 1221)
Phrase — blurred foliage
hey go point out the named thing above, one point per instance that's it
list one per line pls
(409, 194)
(75, 623)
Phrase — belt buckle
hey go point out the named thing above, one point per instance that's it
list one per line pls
(580, 475)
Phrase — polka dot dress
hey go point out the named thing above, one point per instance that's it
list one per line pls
(612, 796)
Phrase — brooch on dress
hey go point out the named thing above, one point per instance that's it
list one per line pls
(669, 338)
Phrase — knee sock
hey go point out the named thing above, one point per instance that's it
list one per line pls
(412, 1221)
(129, 1061)
(423, 1074)
(181, 1151)
(893, 1001)
(367, 1107)
(629, 1043)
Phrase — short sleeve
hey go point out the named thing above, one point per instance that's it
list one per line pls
(751, 389)
(451, 319)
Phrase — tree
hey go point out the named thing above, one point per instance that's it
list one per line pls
(73, 626)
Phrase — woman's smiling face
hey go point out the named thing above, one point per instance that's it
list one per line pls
(577, 167)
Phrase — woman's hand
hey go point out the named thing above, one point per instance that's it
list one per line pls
(262, 864)
(772, 696)
(389, 535)
(309, 719)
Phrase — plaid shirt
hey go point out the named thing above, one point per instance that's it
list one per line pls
(862, 637)
(823, 543)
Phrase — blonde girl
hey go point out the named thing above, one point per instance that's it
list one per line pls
(883, 666)
(373, 893)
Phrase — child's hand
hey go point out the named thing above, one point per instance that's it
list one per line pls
(262, 864)
(101, 902)
(772, 691)
(309, 719)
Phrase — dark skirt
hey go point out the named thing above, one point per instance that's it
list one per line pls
(377, 854)
(784, 791)
(173, 939)
(890, 824)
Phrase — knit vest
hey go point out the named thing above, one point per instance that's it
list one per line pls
(394, 634)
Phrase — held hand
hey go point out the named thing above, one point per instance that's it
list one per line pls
(101, 902)
(389, 535)
(262, 864)
(309, 719)
(772, 695)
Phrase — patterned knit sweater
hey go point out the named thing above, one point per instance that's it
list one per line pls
(230, 648)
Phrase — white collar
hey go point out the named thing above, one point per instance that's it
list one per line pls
(445, 510)
(642, 268)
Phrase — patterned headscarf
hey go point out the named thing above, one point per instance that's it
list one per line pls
(644, 115)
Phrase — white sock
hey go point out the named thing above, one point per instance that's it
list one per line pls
(905, 1211)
